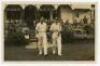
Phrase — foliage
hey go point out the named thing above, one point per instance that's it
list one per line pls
(16, 39)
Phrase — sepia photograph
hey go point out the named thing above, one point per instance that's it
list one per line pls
(49, 32)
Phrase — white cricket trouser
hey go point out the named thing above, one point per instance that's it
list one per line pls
(59, 45)
(56, 40)
(42, 42)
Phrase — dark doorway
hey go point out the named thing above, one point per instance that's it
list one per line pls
(45, 14)
(13, 12)
(30, 14)
(46, 11)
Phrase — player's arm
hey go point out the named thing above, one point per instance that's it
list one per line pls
(37, 28)
(51, 27)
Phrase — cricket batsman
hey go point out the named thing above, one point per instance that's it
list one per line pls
(56, 37)
(41, 28)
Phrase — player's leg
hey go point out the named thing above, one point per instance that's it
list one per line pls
(54, 46)
(45, 48)
(59, 46)
(39, 45)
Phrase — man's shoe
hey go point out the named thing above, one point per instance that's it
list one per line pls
(59, 54)
(40, 53)
(54, 52)
(45, 54)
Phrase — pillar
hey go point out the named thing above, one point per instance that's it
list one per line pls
(51, 15)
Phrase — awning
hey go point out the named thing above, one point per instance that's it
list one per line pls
(47, 8)
(30, 7)
(65, 6)
(13, 8)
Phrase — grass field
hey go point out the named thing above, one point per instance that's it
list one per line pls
(83, 50)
